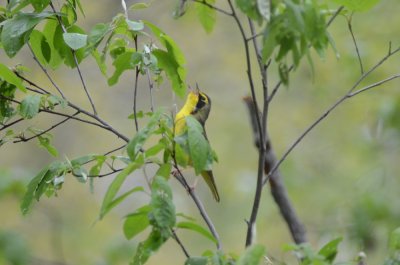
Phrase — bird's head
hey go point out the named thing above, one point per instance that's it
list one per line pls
(202, 104)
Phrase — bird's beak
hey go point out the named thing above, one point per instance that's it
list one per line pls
(194, 91)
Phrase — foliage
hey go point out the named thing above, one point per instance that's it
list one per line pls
(288, 30)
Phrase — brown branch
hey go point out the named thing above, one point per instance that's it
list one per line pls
(5, 126)
(175, 236)
(179, 176)
(278, 190)
(24, 139)
(46, 73)
(350, 27)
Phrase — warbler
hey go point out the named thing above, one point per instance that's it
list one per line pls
(198, 105)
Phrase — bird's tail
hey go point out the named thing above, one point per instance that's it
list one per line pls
(209, 178)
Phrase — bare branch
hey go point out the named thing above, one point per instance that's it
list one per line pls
(179, 176)
(151, 86)
(278, 190)
(24, 139)
(175, 236)
(333, 17)
(5, 126)
(76, 63)
(350, 26)
(349, 94)
(46, 73)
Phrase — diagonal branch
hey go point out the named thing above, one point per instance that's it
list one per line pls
(24, 139)
(348, 95)
(350, 27)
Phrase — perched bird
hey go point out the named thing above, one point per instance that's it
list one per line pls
(198, 105)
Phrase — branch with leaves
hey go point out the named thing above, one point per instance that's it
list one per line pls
(280, 33)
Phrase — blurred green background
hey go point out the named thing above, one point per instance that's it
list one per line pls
(343, 178)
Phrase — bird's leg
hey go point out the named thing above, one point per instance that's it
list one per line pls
(193, 186)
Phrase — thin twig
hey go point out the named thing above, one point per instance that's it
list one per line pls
(135, 89)
(5, 126)
(46, 73)
(23, 139)
(350, 26)
(349, 94)
(179, 176)
(175, 236)
(213, 7)
(333, 17)
(257, 196)
(76, 62)
(151, 86)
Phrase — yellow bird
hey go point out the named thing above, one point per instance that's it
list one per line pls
(198, 105)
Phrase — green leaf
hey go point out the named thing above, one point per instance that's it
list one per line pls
(66, 53)
(40, 47)
(75, 40)
(48, 180)
(121, 198)
(196, 228)
(39, 5)
(199, 149)
(250, 8)
(252, 255)
(79, 161)
(357, 5)
(136, 143)
(264, 8)
(148, 247)
(7, 75)
(168, 63)
(30, 106)
(330, 250)
(207, 15)
(116, 185)
(136, 222)
(95, 170)
(135, 25)
(137, 6)
(125, 61)
(44, 141)
(30, 193)
(197, 261)
(164, 171)
(96, 35)
(162, 215)
(16, 30)
(49, 34)
(394, 241)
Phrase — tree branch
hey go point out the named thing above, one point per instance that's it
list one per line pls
(349, 94)
(350, 26)
(278, 189)
(175, 236)
(46, 73)
(23, 139)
